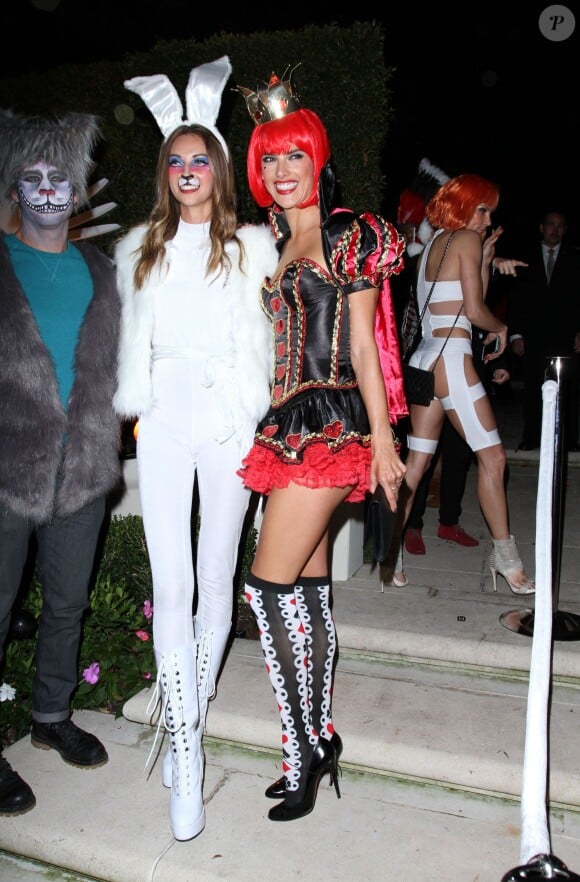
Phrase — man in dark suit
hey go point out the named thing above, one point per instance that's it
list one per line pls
(544, 322)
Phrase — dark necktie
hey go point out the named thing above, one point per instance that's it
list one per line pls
(550, 263)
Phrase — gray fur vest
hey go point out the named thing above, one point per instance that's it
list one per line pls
(33, 422)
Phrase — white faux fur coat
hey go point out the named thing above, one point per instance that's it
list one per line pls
(245, 385)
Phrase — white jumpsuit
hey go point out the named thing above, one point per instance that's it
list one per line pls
(188, 431)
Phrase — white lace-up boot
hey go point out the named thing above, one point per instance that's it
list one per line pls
(211, 647)
(180, 713)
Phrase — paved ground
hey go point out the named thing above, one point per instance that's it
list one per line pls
(416, 691)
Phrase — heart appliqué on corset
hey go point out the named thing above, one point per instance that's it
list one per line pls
(293, 441)
(270, 431)
(334, 430)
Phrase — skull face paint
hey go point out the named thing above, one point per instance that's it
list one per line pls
(46, 191)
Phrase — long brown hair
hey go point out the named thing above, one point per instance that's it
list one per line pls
(164, 217)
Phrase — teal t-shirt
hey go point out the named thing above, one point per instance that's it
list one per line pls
(58, 288)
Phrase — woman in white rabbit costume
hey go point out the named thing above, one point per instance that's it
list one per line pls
(194, 367)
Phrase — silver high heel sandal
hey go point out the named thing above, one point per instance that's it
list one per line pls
(398, 577)
(505, 560)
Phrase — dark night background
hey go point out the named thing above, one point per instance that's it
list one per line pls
(481, 90)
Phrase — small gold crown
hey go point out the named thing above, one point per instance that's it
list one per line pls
(278, 99)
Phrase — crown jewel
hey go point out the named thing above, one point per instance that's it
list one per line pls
(277, 100)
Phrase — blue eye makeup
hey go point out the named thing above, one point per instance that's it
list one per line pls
(200, 161)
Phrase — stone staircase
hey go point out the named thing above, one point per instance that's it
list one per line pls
(430, 700)
(430, 686)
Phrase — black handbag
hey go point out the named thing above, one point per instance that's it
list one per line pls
(420, 383)
(379, 524)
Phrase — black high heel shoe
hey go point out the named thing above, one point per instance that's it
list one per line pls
(277, 790)
(323, 761)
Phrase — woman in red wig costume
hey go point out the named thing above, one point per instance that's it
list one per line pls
(458, 258)
(327, 437)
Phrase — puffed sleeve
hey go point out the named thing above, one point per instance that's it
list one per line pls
(366, 255)
(369, 251)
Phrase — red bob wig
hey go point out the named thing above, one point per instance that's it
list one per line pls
(302, 129)
(454, 204)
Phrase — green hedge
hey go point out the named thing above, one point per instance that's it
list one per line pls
(117, 632)
(341, 75)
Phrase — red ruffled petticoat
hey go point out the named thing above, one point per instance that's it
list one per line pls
(262, 469)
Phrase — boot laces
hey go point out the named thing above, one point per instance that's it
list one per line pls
(205, 677)
(168, 688)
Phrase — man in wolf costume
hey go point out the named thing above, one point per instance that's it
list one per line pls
(59, 435)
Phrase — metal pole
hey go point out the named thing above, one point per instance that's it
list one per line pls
(565, 625)
(537, 862)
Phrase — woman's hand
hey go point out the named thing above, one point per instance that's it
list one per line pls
(506, 266)
(388, 470)
(491, 338)
(489, 245)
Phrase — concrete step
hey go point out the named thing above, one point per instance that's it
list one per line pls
(111, 823)
(431, 689)
(454, 718)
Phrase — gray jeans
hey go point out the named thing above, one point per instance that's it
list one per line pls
(65, 553)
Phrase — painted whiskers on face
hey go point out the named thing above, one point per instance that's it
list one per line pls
(47, 207)
(45, 189)
(189, 181)
(191, 177)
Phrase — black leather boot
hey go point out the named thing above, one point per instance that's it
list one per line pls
(77, 747)
(16, 797)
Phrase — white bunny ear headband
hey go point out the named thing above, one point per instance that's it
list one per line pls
(203, 97)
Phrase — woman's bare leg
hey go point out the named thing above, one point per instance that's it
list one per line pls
(293, 537)
(491, 465)
(426, 423)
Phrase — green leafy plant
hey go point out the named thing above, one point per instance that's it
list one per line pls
(116, 658)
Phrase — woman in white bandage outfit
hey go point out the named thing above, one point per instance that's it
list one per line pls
(194, 367)
(458, 259)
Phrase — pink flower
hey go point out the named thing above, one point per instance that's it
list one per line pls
(147, 676)
(142, 635)
(92, 673)
(147, 609)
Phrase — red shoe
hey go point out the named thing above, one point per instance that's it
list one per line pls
(414, 541)
(456, 534)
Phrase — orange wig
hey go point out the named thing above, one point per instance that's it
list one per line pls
(454, 204)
